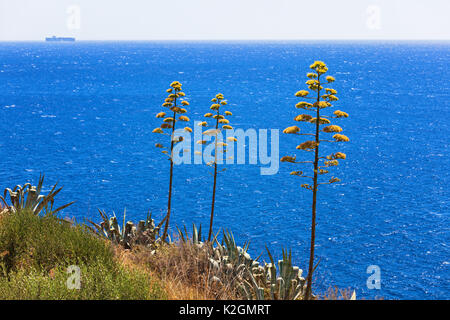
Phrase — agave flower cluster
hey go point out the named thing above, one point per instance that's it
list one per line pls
(321, 98)
(175, 104)
(221, 123)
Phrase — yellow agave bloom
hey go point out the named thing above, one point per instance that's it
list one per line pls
(332, 128)
(331, 163)
(161, 115)
(175, 84)
(321, 120)
(208, 115)
(311, 75)
(296, 173)
(211, 132)
(213, 100)
(181, 94)
(288, 159)
(322, 104)
(182, 110)
(157, 130)
(203, 124)
(218, 116)
(307, 145)
(301, 93)
(231, 139)
(184, 103)
(158, 145)
(169, 90)
(166, 104)
(291, 130)
(187, 129)
(219, 96)
(168, 100)
(317, 64)
(215, 106)
(330, 91)
(202, 142)
(173, 96)
(224, 102)
(312, 82)
(176, 109)
(166, 126)
(341, 138)
(303, 105)
(303, 117)
(330, 79)
(227, 127)
(339, 155)
(183, 118)
(340, 114)
(332, 97)
(169, 119)
(224, 121)
(228, 113)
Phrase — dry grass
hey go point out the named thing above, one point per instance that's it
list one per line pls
(183, 270)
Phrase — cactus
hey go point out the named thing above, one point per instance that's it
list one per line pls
(29, 197)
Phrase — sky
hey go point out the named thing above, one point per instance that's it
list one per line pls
(22, 20)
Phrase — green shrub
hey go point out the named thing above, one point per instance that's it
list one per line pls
(27, 240)
(35, 253)
(98, 282)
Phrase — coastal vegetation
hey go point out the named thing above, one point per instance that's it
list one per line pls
(40, 251)
(321, 100)
(169, 122)
(219, 145)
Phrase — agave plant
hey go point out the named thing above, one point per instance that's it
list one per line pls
(322, 99)
(146, 232)
(29, 197)
(286, 283)
(196, 237)
(219, 145)
(176, 104)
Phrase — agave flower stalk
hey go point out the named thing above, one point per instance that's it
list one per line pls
(169, 122)
(322, 99)
(220, 119)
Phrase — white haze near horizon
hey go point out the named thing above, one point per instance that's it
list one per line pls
(22, 20)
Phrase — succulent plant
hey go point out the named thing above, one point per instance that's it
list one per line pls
(145, 233)
(286, 283)
(196, 237)
(29, 197)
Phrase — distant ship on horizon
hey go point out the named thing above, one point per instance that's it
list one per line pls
(59, 39)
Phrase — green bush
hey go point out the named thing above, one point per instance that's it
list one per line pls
(97, 283)
(35, 253)
(27, 240)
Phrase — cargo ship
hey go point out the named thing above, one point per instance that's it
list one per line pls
(59, 39)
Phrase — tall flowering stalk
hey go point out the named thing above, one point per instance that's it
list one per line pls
(323, 98)
(174, 103)
(220, 119)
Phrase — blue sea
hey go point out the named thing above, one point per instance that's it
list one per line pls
(82, 113)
